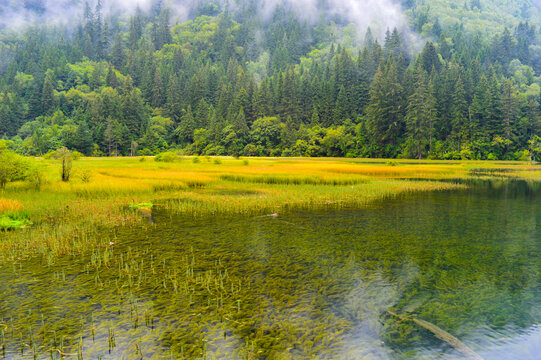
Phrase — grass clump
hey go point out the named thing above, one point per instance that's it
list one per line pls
(141, 206)
(14, 220)
(167, 157)
(291, 180)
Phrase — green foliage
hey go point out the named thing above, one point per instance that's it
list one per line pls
(13, 167)
(66, 158)
(141, 206)
(15, 220)
(208, 86)
(168, 157)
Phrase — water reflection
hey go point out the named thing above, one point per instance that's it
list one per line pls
(297, 286)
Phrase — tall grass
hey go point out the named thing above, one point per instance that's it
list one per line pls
(73, 217)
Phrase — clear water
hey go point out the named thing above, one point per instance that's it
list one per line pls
(302, 285)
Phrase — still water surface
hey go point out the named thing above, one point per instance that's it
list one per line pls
(302, 285)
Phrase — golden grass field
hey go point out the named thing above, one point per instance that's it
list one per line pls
(71, 217)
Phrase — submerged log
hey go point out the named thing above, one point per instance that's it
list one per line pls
(442, 335)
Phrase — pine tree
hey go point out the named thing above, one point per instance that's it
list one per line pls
(314, 120)
(83, 139)
(158, 93)
(240, 126)
(459, 114)
(118, 52)
(47, 95)
(533, 116)
(420, 116)
(202, 115)
(174, 100)
(111, 78)
(136, 29)
(509, 109)
(430, 58)
(186, 127)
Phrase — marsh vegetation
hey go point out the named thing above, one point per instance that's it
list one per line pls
(268, 258)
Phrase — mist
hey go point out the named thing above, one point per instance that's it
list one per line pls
(379, 15)
(15, 14)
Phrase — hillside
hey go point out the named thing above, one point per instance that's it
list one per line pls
(487, 17)
(256, 79)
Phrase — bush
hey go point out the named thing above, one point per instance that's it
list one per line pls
(196, 160)
(287, 153)
(76, 155)
(36, 177)
(66, 157)
(168, 156)
(85, 175)
(245, 162)
(13, 167)
(218, 161)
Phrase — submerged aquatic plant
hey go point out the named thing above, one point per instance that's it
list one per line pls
(14, 220)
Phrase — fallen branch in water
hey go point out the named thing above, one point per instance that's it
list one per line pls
(442, 335)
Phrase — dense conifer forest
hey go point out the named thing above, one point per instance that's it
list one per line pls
(457, 80)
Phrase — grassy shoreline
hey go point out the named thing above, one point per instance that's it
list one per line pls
(69, 218)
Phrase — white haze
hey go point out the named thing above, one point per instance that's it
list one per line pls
(380, 15)
(14, 15)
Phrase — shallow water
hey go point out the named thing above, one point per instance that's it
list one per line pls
(296, 286)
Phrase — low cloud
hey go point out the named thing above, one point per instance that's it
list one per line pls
(378, 14)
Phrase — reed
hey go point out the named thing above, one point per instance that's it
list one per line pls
(69, 218)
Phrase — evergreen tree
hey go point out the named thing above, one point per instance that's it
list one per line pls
(509, 110)
(83, 139)
(418, 117)
(47, 95)
(186, 127)
(459, 114)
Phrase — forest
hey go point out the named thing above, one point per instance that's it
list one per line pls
(223, 80)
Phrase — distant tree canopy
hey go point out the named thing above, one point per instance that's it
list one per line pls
(228, 82)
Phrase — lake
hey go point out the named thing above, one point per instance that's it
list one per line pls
(300, 285)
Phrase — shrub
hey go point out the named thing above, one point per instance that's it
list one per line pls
(85, 175)
(13, 167)
(196, 160)
(245, 162)
(169, 156)
(36, 177)
(287, 153)
(66, 157)
(75, 155)
(218, 161)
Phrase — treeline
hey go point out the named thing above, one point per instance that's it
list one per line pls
(211, 86)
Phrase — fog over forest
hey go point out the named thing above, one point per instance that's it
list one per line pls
(443, 80)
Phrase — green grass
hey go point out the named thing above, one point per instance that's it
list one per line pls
(14, 221)
(69, 218)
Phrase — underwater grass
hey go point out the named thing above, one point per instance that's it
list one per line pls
(67, 216)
